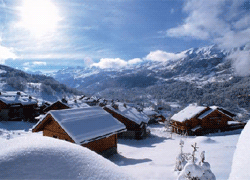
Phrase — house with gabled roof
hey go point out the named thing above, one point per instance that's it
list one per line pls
(58, 105)
(91, 127)
(199, 120)
(134, 120)
(187, 119)
(17, 106)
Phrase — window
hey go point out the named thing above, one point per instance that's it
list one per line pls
(54, 136)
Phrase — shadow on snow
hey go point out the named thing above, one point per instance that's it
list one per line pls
(123, 161)
(150, 141)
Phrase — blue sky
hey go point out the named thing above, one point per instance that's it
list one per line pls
(49, 35)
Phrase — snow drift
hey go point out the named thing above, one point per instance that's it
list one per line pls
(37, 157)
(241, 159)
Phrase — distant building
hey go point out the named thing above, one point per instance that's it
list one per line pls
(17, 106)
(91, 127)
(199, 120)
(58, 105)
(154, 116)
(134, 120)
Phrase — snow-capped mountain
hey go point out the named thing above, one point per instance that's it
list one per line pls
(200, 76)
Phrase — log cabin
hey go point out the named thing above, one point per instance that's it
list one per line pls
(187, 119)
(58, 105)
(17, 106)
(91, 127)
(134, 120)
(200, 120)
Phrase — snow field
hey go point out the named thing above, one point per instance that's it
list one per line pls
(27, 155)
(154, 158)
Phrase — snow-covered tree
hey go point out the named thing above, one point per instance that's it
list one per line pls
(181, 159)
(193, 171)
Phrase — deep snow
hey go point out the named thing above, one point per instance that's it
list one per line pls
(151, 158)
(36, 157)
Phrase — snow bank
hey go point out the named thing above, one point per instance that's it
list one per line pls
(37, 157)
(241, 159)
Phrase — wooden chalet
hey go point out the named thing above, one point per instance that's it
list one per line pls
(154, 117)
(17, 106)
(200, 120)
(135, 121)
(58, 105)
(91, 127)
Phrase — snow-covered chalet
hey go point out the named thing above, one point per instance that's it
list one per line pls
(91, 127)
(134, 120)
(199, 120)
(58, 105)
(17, 106)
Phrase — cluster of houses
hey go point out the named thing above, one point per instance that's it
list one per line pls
(98, 123)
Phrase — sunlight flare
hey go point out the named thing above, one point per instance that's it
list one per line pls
(39, 17)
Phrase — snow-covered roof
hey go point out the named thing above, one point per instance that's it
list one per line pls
(213, 108)
(149, 111)
(206, 113)
(14, 97)
(77, 103)
(130, 113)
(86, 124)
(188, 113)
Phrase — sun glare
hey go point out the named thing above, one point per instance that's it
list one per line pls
(40, 17)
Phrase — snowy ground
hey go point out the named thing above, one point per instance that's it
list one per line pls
(154, 158)
(151, 158)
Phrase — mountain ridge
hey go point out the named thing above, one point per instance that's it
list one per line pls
(205, 75)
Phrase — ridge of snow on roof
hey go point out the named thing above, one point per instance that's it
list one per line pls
(206, 113)
(12, 97)
(188, 113)
(84, 124)
(213, 108)
(130, 113)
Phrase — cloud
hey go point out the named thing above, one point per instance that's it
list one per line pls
(115, 63)
(241, 62)
(39, 63)
(163, 56)
(223, 22)
(29, 65)
(134, 61)
(6, 53)
(226, 23)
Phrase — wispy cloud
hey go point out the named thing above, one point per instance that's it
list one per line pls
(223, 22)
(241, 62)
(226, 23)
(30, 65)
(163, 56)
(6, 53)
(115, 63)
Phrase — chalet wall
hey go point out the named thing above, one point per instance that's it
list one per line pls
(53, 129)
(215, 120)
(102, 144)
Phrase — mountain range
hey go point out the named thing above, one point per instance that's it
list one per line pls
(204, 75)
